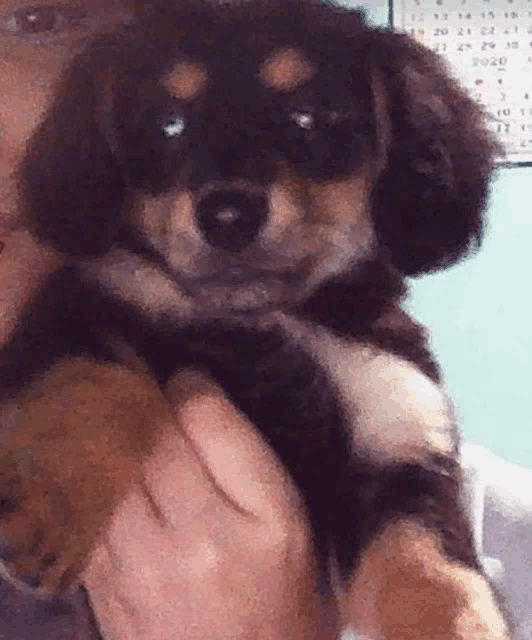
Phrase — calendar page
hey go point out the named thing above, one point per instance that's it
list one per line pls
(488, 44)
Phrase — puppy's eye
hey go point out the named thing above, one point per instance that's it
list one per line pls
(174, 127)
(307, 120)
(42, 17)
(303, 119)
(333, 117)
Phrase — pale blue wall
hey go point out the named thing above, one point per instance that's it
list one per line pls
(481, 317)
(480, 314)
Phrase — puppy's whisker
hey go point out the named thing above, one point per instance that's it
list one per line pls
(141, 283)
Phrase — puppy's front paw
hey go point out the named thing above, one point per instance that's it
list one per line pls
(406, 588)
(70, 449)
(34, 526)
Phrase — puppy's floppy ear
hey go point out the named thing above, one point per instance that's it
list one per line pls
(429, 201)
(71, 188)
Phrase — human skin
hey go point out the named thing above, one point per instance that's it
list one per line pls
(229, 555)
(30, 64)
(215, 544)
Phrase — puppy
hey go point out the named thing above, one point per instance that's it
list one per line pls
(243, 188)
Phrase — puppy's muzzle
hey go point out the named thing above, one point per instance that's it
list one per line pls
(232, 219)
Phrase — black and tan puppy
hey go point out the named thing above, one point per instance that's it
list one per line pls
(243, 188)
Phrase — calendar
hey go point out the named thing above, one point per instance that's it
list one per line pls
(488, 44)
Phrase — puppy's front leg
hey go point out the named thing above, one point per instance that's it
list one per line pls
(418, 576)
(71, 445)
(406, 588)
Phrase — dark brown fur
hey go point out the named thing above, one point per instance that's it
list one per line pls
(245, 188)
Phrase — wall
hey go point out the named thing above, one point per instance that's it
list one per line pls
(480, 315)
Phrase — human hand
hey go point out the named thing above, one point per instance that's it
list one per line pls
(214, 544)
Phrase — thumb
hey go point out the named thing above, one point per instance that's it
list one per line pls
(232, 450)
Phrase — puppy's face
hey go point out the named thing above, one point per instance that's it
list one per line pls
(249, 156)
(243, 153)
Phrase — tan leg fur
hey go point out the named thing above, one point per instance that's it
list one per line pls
(75, 443)
(405, 589)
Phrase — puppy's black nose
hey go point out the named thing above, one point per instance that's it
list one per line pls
(231, 220)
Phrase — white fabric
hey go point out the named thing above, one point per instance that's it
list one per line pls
(505, 525)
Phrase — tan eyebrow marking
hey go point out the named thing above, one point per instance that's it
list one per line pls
(186, 80)
(286, 69)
